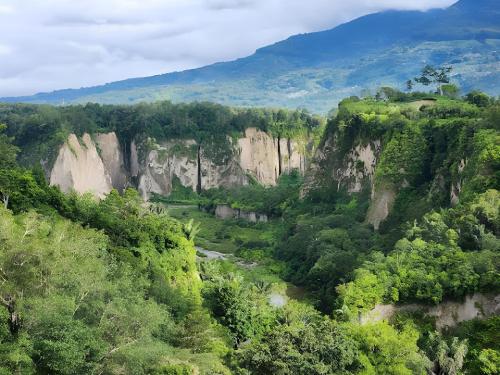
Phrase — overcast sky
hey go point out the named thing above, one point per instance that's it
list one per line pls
(54, 44)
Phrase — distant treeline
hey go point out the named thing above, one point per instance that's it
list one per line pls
(39, 129)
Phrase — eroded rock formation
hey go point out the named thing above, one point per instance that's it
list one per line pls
(446, 314)
(155, 167)
(79, 167)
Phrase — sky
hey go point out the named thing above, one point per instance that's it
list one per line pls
(55, 44)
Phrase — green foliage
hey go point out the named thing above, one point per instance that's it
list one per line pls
(438, 76)
(303, 344)
(82, 302)
(39, 130)
(77, 300)
(385, 350)
(451, 91)
(484, 344)
(448, 356)
(173, 370)
(478, 98)
(239, 307)
(403, 158)
(8, 152)
(428, 264)
(273, 201)
(428, 148)
(117, 289)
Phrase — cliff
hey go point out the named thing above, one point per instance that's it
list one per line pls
(351, 170)
(416, 156)
(447, 314)
(97, 164)
(79, 167)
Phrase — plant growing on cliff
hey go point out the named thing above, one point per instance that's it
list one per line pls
(403, 158)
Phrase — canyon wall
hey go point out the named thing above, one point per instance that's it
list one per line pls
(446, 314)
(256, 156)
(112, 157)
(97, 164)
(350, 164)
(226, 212)
(352, 170)
(79, 167)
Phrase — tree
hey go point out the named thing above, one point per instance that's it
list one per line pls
(450, 90)
(489, 360)
(448, 357)
(478, 98)
(8, 152)
(19, 189)
(304, 343)
(385, 350)
(438, 76)
(409, 85)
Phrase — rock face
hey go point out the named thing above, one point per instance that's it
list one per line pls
(382, 200)
(456, 187)
(257, 156)
(226, 212)
(353, 171)
(214, 175)
(79, 167)
(157, 167)
(266, 158)
(112, 158)
(447, 314)
(163, 164)
(358, 166)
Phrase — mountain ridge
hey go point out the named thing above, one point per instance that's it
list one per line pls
(315, 70)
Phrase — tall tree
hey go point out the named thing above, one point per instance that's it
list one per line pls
(438, 76)
(409, 85)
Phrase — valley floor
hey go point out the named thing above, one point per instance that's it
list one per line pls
(244, 247)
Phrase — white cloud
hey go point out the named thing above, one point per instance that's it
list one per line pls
(52, 44)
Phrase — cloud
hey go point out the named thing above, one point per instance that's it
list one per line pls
(229, 4)
(55, 44)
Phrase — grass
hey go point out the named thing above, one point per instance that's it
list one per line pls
(228, 236)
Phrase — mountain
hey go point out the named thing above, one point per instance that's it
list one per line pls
(316, 70)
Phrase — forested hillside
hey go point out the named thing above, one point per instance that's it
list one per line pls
(400, 206)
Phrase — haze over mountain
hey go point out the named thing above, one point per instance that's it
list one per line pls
(316, 70)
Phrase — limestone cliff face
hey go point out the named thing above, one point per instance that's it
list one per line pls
(79, 167)
(347, 163)
(266, 158)
(97, 164)
(456, 187)
(352, 170)
(446, 314)
(225, 212)
(358, 166)
(112, 158)
(382, 201)
(257, 155)
(163, 164)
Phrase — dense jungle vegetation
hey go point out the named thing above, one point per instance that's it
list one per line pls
(113, 286)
